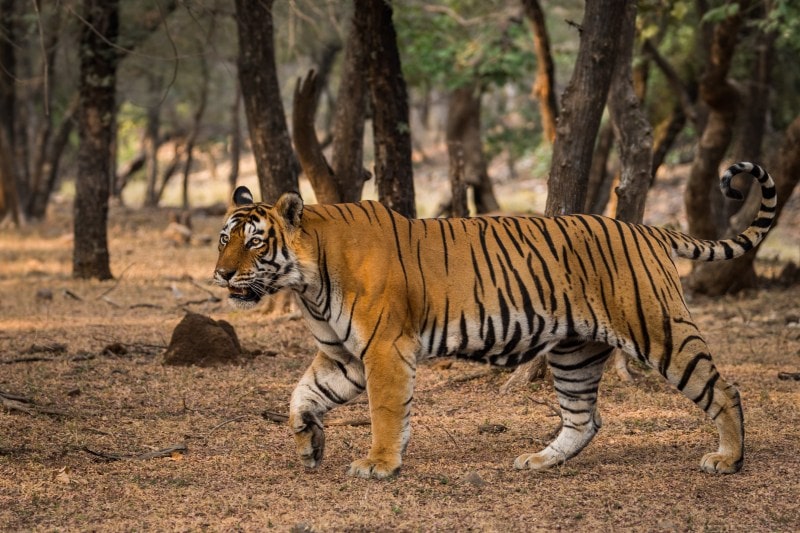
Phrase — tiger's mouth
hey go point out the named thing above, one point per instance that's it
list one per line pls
(244, 294)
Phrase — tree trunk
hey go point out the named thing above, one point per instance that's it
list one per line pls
(235, 149)
(151, 144)
(722, 100)
(98, 57)
(309, 152)
(598, 187)
(196, 122)
(631, 129)
(391, 130)
(463, 130)
(275, 161)
(351, 107)
(544, 86)
(458, 186)
(582, 107)
(41, 196)
(9, 195)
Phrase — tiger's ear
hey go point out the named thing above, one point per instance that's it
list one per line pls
(242, 196)
(290, 207)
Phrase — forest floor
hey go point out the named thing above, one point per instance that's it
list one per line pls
(103, 436)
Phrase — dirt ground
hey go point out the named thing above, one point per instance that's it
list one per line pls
(103, 436)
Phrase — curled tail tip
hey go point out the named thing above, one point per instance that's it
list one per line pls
(737, 168)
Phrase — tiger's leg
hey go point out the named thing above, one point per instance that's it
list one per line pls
(689, 367)
(577, 368)
(391, 371)
(326, 384)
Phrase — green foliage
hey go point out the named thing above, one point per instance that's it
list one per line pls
(463, 41)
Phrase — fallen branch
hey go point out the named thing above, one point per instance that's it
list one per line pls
(281, 418)
(13, 402)
(25, 360)
(103, 294)
(169, 451)
(789, 376)
(470, 377)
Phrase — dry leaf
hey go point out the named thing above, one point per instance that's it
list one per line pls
(63, 476)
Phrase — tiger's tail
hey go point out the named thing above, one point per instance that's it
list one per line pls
(703, 250)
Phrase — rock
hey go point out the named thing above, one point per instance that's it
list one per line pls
(202, 341)
(474, 479)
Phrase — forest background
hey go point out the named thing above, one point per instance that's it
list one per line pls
(125, 125)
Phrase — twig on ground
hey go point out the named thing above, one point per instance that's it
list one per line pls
(470, 377)
(145, 305)
(25, 360)
(281, 418)
(212, 297)
(14, 402)
(103, 294)
(169, 451)
(556, 412)
(72, 295)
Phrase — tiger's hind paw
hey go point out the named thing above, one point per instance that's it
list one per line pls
(379, 469)
(718, 463)
(535, 461)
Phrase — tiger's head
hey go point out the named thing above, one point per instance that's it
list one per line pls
(255, 248)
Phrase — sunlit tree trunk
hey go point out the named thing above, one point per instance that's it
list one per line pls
(99, 60)
(544, 86)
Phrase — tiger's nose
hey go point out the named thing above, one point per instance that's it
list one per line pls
(225, 273)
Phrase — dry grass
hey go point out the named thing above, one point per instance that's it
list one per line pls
(240, 471)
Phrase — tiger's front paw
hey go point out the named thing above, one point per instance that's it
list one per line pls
(718, 463)
(310, 440)
(377, 468)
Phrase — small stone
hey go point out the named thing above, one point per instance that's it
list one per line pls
(44, 294)
(474, 479)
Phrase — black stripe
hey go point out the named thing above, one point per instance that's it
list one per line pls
(689, 370)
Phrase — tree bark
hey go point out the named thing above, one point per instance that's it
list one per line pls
(598, 187)
(391, 129)
(306, 144)
(544, 86)
(9, 194)
(196, 122)
(631, 129)
(235, 147)
(151, 144)
(98, 58)
(275, 161)
(351, 107)
(463, 132)
(722, 99)
(582, 107)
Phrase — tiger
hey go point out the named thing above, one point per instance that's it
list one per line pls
(380, 292)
